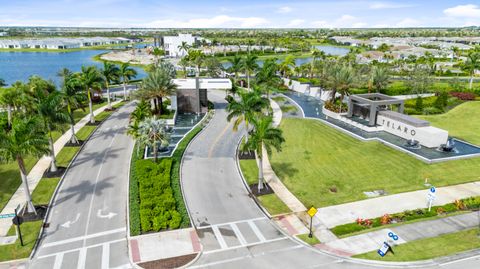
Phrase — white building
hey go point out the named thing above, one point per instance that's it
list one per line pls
(171, 44)
(60, 43)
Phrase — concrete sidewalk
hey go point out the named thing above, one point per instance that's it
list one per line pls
(37, 172)
(367, 242)
(375, 207)
(164, 245)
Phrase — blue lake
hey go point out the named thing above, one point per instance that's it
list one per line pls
(21, 65)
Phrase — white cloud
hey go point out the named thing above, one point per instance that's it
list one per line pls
(387, 5)
(296, 23)
(470, 11)
(284, 10)
(345, 21)
(409, 22)
(221, 21)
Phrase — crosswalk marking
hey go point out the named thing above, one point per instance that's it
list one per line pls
(106, 256)
(248, 245)
(256, 231)
(81, 258)
(58, 261)
(238, 234)
(232, 222)
(219, 237)
(80, 249)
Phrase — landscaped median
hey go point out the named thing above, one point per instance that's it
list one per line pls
(406, 217)
(156, 200)
(42, 196)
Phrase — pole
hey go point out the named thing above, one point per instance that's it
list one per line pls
(429, 204)
(18, 227)
(310, 234)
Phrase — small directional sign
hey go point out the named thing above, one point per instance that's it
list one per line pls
(6, 216)
(383, 249)
(312, 211)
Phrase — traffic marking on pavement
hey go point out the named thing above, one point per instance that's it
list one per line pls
(82, 255)
(238, 234)
(106, 256)
(84, 249)
(70, 222)
(58, 261)
(248, 245)
(256, 231)
(232, 222)
(66, 241)
(110, 215)
(219, 237)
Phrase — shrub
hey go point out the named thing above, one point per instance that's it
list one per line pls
(459, 204)
(419, 104)
(441, 101)
(465, 96)
(385, 219)
(432, 110)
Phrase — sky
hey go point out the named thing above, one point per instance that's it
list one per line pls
(240, 13)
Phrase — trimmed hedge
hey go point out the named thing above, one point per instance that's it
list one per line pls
(472, 203)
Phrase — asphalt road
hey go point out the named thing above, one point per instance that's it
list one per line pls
(87, 224)
(233, 231)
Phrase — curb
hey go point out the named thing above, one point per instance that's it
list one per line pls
(60, 183)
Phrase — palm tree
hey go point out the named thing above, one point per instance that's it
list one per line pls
(264, 136)
(110, 73)
(157, 85)
(26, 138)
(11, 99)
(236, 65)
(91, 79)
(286, 65)
(472, 64)
(267, 77)
(249, 66)
(72, 96)
(141, 112)
(184, 63)
(379, 78)
(52, 112)
(248, 107)
(196, 57)
(340, 79)
(316, 55)
(126, 73)
(152, 132)
(183, 48)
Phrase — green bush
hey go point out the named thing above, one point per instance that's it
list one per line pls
(419, 104)
(432, 110)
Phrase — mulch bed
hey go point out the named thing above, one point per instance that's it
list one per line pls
(169, 263)
(266, 189)
(246, 155)
(59, 173)
(41, 211)
(70, 144)
(96, 123)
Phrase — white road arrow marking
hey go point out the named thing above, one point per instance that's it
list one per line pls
(109, 215)
(68, 223)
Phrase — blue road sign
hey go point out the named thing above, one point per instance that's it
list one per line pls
(393, 236)
(383, 249)
(432, 189)
(6, 216)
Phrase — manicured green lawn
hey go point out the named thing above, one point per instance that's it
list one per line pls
(429, 248)
(462, 122)
(271, 202)
(14, 251)
(311, 241)
(85, 132)
(44, 190)
(10, 179)
(323, 166)
(66, 155)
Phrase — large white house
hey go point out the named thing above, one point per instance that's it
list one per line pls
(171, 44)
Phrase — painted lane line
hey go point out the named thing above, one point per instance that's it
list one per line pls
(245, 257)
(82, 248)
(238, 234)
(232, 222)
(58, 261)
(248, 245)
(219, 237)
(105, 256)
(66, 241)
(82, 256)
(256, 231)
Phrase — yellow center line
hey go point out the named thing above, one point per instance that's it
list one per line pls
(210, 152)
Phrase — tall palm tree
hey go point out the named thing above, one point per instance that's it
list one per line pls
(26, 138)
(316, 55)
(183, 47)
(264, 136)
(340, 79)
(126, 73)
(246, 108)
(73, 98)
(52, 112)
(196, 57)
(472, 64)
(11, 98)
(152, 132)
(287, 65)
(236, 65)
(267, 77)
(184, 63)
(249, 66)
(110, 73)
(157, 85)
(91, 79)
(379, 78)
